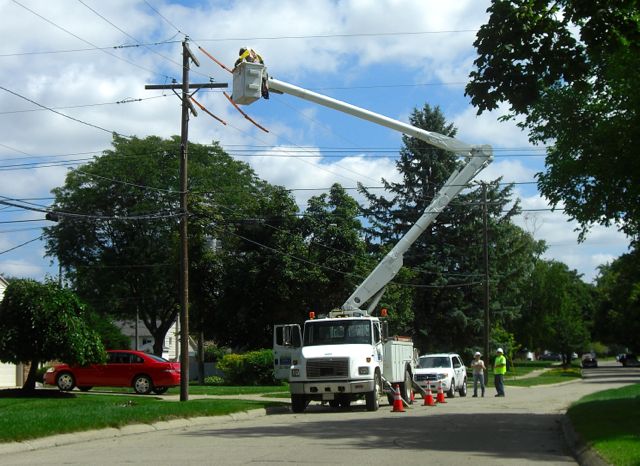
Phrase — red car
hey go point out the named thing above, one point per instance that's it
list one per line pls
(124, 368)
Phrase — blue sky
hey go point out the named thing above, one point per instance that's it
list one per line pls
(388, 56)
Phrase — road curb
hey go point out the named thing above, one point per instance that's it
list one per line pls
(131, 429)
(582, 452)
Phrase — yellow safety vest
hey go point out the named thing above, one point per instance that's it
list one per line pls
(500, 360)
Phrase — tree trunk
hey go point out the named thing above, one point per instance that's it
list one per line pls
(30, 383)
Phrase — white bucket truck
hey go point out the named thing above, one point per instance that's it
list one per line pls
(348, 354)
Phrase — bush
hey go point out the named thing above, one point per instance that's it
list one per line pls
(213, 380)
(213, 353)
(252, 368)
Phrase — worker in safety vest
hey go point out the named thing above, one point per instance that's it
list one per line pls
(251, 56)
(499, 370)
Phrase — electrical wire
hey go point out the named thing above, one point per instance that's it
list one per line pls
(20, 245)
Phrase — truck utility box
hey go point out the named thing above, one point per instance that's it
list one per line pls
(398, 353)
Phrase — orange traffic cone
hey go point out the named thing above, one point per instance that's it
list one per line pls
(440, 396)
(397, 401)
(413, 396)
(428, 398)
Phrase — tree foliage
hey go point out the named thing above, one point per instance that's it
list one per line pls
(446, 261)
(559, 311)
(117, 237)
(42, 322)
(618, 315)
(569, 68)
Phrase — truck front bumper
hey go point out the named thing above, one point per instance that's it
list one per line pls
(327, 388)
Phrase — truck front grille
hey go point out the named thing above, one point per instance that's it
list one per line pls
(326, 368)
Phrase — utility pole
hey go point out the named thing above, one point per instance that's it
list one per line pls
(187, 58)
(486, 273)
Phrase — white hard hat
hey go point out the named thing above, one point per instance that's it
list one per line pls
(477, 353)
(499, 350)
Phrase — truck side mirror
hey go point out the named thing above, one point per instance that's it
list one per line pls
(385, 330)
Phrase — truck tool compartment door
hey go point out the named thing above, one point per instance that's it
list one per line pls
(287, 341)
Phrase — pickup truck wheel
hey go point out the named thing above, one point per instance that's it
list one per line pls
(372, 398)
(463, 389)
(452, 389)
(298, 403)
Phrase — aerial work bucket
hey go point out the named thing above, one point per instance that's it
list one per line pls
(247, 83)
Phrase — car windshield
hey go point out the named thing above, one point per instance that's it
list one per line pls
(430, 362)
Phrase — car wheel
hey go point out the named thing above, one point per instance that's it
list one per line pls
(452, 389)
(372, 398)
(142, 385)
(463, 389)
(298, 403)
(66, 381)
(85, 388)
(160, 390)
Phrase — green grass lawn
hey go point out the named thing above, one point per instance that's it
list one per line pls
(195, 389)
(610, 422)
(56, 413)
(555, 375)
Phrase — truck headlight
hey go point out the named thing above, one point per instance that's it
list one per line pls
(442, 376)
(295, 372)
(363, 370)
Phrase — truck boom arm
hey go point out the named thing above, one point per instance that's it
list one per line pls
(246, 89)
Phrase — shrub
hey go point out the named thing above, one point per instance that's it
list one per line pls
(213, 353)
(213, 380)
(252, 368)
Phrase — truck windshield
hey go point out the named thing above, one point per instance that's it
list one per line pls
(337, 332)
(431, 362)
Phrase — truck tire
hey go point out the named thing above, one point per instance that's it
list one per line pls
(298, 403)
(406, 386)
(372, 398)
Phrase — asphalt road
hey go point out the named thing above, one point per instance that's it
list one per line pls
(522, 428)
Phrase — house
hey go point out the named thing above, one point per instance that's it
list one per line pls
(145, 341)
(11, 375)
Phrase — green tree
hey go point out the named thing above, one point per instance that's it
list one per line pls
(618, 314)
(446, 262)
(569, 69)
(559, 311)
(117, 237)
(41, 322)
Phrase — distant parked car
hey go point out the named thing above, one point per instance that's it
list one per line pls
(548, 356)
(589, 360)
(628, 360)
(124, 368)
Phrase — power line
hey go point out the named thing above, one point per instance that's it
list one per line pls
(92, 49)
(69, 107)
(87, 42)
(20, 245)
(165, 19)
(60, 113)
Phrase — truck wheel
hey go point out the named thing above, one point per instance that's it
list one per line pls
(373, 398)
(298, 403)
(463, 389)
(452, 389)
(405, 387)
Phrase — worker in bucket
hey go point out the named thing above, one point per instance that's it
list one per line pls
(478, 374)
(251, 56)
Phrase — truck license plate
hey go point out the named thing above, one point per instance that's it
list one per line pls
(327, 396)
